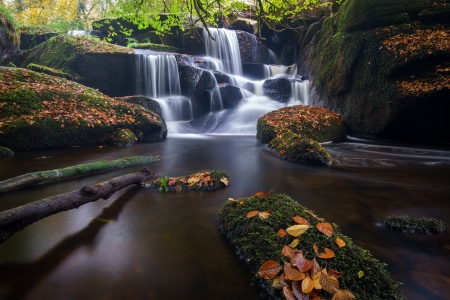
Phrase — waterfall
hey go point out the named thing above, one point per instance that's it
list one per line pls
(157, 75)
(176, 108)
(79, 32)
(274, 70)
(300, 91)
(225, 48)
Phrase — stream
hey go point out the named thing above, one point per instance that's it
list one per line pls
(143, 244)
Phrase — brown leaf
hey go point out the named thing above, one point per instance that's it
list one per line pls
(307, 285)
(340, 242)
(325, 228)
(288, 293)
(172, 182)
(292, 273)
(178, 188)
(329, 283)
(281, 233)
(252, 213)
(343, 295)
(315, 268)
(269, 269)
(288, 251)
(300, 220)
(297, 289)
(302, 264)
(334, 273)
(327, 254)
(297, 230)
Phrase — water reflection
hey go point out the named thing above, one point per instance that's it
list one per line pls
(162, 241)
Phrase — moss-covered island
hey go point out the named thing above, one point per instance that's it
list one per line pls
(262, 227)
(41, 111)
(295, 131)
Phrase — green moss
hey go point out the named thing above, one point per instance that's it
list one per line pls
(124, 137)
(405, 223)
(291, 146)
(256, 241)
(48, 70)
(11, 24)
(5, 151)
(155, 47)
(207, 180)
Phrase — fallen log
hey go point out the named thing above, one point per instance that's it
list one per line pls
(16, 219)
(41, 177)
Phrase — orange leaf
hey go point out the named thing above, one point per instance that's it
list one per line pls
(288, 293)
(281, 233)
(325, 228)
(328, 254)
(340, 242)
(292, 273)
(315, 248)
(315, 268)
(329, 283)
(269, 269)
(259, 194)
(288, 251)
(307, 285)
(343, 295)
(300, 220)
(334, 273)
(300, 262)
(252, 213)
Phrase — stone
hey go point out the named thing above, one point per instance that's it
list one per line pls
(231, 95)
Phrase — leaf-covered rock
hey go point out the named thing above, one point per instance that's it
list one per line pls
(5, 151)
(257, 241)
(41, 111)
(124, 137)
(310, 122)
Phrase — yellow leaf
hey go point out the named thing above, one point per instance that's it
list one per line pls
(307, 285)
(360, 274)
(224, 180)
(264, 215)
(294, 243)
(297, 230)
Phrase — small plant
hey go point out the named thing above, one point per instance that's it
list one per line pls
(146, 40)
(409, 224)
(163, 184)
(132, 42)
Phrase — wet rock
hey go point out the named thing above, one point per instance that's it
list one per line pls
(279, 88)
(231, 95)
(252, 49)
(253, 71)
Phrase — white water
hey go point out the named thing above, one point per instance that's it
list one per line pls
(158, 78)
(79, 32)
(225, 47)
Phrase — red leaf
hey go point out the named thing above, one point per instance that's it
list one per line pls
(281, 233)
(300, 262)
(269, 269)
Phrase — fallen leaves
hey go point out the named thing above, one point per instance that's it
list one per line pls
(269, 269)
(224, 180)
(297, 230)
(325, 228)
(340, 242)
(327, 254)
(252, 213)
(281, 233)
(300, 220)
(262, 214)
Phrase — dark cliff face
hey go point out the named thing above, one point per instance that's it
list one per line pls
(9, 38)
(382, 66)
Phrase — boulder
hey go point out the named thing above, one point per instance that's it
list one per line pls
(97, 64)
(123, 137)
(5, 152)
(312, 122)
(252, 48)
(32, 36)
(253, 71)
(279, 88)
(9, 37)
(384, 75)
(39, 111)
(245, 24)
(231, 95)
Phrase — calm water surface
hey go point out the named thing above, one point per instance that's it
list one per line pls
(166, 245)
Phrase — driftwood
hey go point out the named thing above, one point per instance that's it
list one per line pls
(41, 177)
(16, 219)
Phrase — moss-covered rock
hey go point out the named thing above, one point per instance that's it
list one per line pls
(9, 36)
(124, 137)
(409, 224)
(208, 180)
(89, 61)
(256, 241)
(31, 36)
(48, 70)
(5, 151)
(310, 122)
(41, 111)
(291, 146)
(156, 47)
(358, 72)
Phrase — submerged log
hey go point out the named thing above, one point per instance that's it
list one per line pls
(41, 177)
(16, 219)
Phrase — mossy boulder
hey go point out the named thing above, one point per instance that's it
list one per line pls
(5, 151)
(48, 70)
(124, 137)
(156, 47)
(292, 147)
(89, 61)
(31, 36)
(256, 240)
(40, 111)
(383, 70)
(312, 122)
(9, 36)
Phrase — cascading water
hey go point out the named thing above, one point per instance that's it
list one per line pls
(224, 47)
(79, 32)
(157, 77)
(300, 91)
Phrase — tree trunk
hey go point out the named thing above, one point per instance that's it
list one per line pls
(16, 219)
(41, 177)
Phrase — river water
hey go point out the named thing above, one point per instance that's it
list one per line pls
(143, 244)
